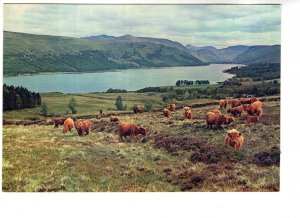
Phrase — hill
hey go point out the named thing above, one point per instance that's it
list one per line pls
(239, 54)
(29, 53)
(130, 38)
(260, 54)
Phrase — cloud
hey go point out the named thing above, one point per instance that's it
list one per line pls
(215, 25)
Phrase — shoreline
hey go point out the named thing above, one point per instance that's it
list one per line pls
(105, 71)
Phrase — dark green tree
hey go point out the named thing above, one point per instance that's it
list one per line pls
(72, 105)
(119, 104)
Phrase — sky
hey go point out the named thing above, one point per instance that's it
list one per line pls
(199, 25)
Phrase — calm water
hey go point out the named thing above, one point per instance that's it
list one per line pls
(131, 79)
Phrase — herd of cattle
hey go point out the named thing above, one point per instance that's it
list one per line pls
(252, 106)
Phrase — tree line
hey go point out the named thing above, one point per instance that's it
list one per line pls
(257, 72)
(191, 83)
(19, 97)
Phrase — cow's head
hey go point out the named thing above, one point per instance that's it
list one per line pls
(141, 130)
(233, 135)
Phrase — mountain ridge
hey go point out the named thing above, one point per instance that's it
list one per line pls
(31, 53)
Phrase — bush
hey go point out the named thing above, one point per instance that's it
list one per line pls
(148, 107)
(44, 110)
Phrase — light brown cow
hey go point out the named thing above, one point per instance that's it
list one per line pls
(166, 112)
(216, 111)
(185, 109)
(130, 129)
(252, 110)
(83, 127)
(223, 103)
(259, 112)
(68, 125)
(188, 114)
(172, 107)
(235, 139)
(113, 118)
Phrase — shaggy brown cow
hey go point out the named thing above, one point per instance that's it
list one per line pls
(236, 110)
(216, 111)
(235, 103)
(229, 120)
(58, 121)
(172, 107)
(252, 110)
(68, 125)
(188, 114)
(235, 139)
(246, 106)
(216, 119)
(113, 118)
(137, 109)
(83, 127)
(130, 129)
(185, 109)
(252, 119)
(223, 103)
(259, 112)
(166, 112)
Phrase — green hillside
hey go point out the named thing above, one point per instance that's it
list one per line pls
(28, 53)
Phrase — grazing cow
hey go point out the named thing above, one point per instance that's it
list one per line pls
(235, 139)
(245, 100)
(188, 114)
(58, 121)
(166, 112)
(229, 120)
(172, 107)
(113, 118)
(185, 109)
(83, 127)
(252, 119)
(216, 111)
(68, 125)
(235, 103)
(215, 119)
(252, 110)
(236, 110)
(137, 109)
(130, 129)
(223, 104)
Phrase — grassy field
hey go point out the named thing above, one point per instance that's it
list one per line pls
(175, 155)
(89, 104)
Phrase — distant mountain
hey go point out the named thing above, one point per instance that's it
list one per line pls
(130, 38)
(237, 54)
(214, 55)
(260, 54)
(29, 53)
